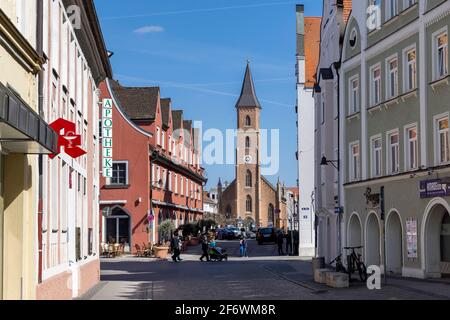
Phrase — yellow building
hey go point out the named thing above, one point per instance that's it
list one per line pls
(23, 135)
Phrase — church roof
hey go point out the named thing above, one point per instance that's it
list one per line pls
(248, 96)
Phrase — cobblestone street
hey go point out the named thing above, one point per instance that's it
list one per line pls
(263, 276)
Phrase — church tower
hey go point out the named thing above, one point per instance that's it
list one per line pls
(248, 175)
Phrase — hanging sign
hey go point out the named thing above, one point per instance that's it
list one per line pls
(67, 138)
(107, 138)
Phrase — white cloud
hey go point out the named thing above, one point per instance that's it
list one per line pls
(149, 29)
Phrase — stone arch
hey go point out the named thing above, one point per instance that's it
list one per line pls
(394, 242)
(119, 225)
(354, 234)
(372, 240)
(431, 240)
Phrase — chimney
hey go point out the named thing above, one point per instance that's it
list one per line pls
(300, 30)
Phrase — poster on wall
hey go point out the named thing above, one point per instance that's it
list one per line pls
(411, 238)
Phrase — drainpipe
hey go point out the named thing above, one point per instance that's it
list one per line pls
(337, 66)
(40, 51)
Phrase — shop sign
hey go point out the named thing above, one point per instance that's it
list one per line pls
(67, 138)
(434, 188)
(107, 138)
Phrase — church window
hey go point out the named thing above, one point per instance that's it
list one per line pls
(247, 146)
(248, 121)
(248, 179)
(248, 204)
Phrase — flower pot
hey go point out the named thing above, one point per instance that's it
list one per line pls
(161, 252)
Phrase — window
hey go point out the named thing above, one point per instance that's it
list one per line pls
(181, 186)
(354, 95)
(248, 121)
(441, 55)
(248, 204)
(247, 146)
(412, 150)
(376, 157)
(411, 70)
(158, 177)
(354, 162)
(375, 91)
(392, 78)
(158, 136)
(169, 143)
(391, 9)
(408, 3)
(170, 181)
(248, 179)
(393, 152)
(176, 183)
(120, 173)
(443, 141)
(164, 179)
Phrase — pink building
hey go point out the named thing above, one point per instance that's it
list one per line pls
(170, 184)
(77, 61)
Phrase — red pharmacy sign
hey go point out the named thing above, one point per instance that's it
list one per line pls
(67, 138)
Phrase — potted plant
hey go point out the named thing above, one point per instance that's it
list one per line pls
(165, 230)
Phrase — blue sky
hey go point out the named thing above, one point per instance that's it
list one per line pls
(196, 51)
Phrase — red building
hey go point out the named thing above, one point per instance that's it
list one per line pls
(153, 147)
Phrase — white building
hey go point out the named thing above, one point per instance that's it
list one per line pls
(307, 51)
(327, 195)
(68, 233)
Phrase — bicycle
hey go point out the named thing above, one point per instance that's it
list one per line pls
(339, 265)
(355, 263)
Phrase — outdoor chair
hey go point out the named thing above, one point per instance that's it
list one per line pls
(139, 252)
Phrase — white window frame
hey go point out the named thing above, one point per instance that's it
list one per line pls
(163, 140)
(181, 186)
(126, 172)
(408, 3)
(372, 85)
(389, 151)
(354, 108)
(158, 136)
(406, 63)
(437, 144)
(176, 183)
(170, 181)
(435, 36)
(352, 176)
(408, 161)
(389, 72)
(390, 13)
(372, 156)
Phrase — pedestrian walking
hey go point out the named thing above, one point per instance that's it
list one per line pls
(176, 246)
(205, 247)
(243, 247)
(280, 241)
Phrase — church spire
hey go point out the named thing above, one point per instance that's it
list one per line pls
(248, 94)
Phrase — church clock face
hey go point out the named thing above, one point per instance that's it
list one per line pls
(248, 159)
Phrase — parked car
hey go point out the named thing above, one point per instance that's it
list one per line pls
(236, 232)
(266, 235)
(225, 234)
(250, 234)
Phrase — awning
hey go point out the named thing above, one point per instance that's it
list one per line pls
(22, 130)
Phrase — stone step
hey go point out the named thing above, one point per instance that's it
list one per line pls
(337, 280)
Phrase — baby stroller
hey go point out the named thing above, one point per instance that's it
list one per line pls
(217, 254)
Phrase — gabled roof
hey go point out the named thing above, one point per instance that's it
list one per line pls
(166, 104)
(177, 120)
(187, 126)
(139, 103)
(196, 138)
(248, 96)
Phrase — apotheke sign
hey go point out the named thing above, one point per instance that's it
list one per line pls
(107, 138)
(435, 188)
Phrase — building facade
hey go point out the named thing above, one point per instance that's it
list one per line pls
(251, 195)
(24, 135)
(394, 95)
(308, 38)
(326, 92)
(156, 168)
(76, 62)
